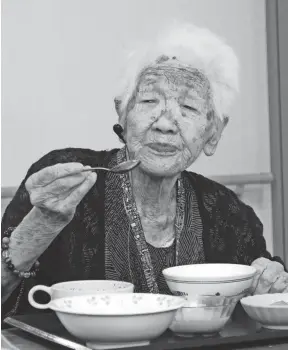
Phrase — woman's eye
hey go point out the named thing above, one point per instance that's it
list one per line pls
(190, 108)
(148, 101)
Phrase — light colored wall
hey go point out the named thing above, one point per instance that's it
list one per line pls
(60, 64)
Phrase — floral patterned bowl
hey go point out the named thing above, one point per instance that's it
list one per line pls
(106, 321)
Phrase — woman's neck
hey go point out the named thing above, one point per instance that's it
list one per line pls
(153, 195)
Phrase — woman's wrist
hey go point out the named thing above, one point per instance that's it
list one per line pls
(50, 221)
(32, 237)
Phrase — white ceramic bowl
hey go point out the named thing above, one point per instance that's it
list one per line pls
(270, 310)
(85, 287)
(203, 315)
(229, 280)
(116, 320)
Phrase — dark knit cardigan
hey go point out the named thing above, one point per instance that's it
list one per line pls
(232, 233)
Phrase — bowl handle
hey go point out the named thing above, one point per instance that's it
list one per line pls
(31, 296)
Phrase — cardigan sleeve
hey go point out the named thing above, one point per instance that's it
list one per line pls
(20, 206)
(256, 246)
(246, 230)
(15, 212)
(232, 232)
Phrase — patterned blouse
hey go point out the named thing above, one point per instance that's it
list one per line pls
(105, 239)
(161, 259)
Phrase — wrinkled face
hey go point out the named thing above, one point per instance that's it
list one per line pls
(169, 118)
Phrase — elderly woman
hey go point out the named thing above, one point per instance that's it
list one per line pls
(63, 225)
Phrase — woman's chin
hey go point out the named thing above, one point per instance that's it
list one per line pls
(160, 169)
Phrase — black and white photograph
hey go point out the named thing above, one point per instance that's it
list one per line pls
(144, 174)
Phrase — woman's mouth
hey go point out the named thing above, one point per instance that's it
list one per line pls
(163, 148)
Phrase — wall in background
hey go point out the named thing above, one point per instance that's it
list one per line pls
(60, 65)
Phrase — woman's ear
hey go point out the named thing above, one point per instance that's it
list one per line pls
(211, 145)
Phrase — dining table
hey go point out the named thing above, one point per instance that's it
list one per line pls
(241, 332)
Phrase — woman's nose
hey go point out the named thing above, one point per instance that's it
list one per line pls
(165, 126)
(166, 123)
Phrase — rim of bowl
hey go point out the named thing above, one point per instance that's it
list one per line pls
(247, 301)
(169, 274)
(208, 307)
(108, 282)
(179, 305)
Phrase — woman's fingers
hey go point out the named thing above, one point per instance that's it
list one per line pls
(64, 184)
(260, 265)
(64, 204)
(57, 190)
(50, 174)
(79, 192)
(267, 273)
(281, 283)
(269, 277)
(60, 188)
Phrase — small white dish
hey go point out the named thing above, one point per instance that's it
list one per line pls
(106, 321)
(231, 280)
(270, 310)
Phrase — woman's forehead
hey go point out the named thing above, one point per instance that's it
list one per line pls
(174, 78)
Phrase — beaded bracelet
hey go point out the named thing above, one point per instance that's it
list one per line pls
(7, 258)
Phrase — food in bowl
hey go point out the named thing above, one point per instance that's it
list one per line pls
(231, 280)
(270, 310)
(203, 315)
(281, 303)
(116, 320)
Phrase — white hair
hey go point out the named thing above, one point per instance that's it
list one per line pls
(196, 47)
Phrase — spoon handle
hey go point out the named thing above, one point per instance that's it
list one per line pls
(91, 169)
(84, 170)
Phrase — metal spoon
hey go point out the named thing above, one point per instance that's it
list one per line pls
(119, 169)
